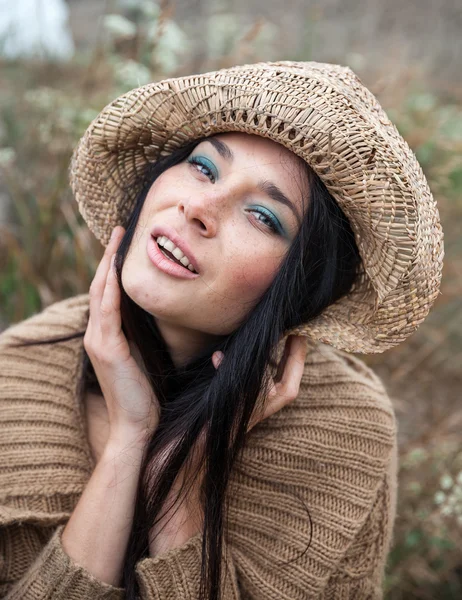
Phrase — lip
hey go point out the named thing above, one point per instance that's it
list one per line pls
(165, 264)
(172, 235)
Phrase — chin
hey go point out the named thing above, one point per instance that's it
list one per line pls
(169, 310)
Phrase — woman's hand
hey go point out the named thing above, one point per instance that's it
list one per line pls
(285, 386)
(133, 408)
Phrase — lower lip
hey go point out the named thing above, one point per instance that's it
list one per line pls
(165, 264)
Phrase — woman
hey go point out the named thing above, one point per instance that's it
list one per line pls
(224, 456)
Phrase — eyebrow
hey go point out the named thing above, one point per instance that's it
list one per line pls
(265, 186)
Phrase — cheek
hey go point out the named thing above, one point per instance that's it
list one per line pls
(159, 195)
(251, 277)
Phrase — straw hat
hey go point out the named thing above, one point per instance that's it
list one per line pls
(324, 114)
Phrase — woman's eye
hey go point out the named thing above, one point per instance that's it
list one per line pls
(198, 164)
(268, 220)
(206, 168)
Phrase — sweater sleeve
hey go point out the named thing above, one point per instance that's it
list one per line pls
(361, 571)
(33, 567)
(175, 575)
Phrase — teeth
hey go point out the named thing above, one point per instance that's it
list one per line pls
(169, 245)
(177, 253)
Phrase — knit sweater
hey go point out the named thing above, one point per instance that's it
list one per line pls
(311, 501)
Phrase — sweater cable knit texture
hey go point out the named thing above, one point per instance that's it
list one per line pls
(323, 468)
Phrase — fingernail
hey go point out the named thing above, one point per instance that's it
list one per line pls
(113, 232)
(218, 358)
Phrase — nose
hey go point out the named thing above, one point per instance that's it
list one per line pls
(204, 209)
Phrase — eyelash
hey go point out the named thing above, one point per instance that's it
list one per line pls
(271, 223)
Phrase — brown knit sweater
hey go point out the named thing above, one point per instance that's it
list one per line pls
(324, 466)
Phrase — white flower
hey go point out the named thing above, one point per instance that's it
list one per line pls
(150, 9)
(118, 26)
(452, 500)
(457, 491)
(416, 456)
(7, 156)
(171, 43)
(446, 510)
(446, 481)
(440, 497)
(131, 74)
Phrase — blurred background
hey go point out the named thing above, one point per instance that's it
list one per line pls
(62, 62)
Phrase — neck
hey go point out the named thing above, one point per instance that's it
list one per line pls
(184, 344)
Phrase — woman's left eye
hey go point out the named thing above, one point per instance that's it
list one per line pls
(268, 220)
(208, 172)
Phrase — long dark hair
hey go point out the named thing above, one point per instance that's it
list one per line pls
(320, 267)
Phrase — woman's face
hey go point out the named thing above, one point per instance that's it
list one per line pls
(223, 202)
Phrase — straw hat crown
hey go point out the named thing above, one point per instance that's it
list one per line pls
(324, 114)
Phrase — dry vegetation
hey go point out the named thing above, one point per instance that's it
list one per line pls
(47, 252)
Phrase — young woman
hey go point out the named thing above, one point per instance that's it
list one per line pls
(195, 426)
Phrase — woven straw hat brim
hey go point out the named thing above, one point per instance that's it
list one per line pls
(324, 114)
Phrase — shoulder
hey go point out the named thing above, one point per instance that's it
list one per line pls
(41, 428)
(61, 318)
(341, 402)
(23, 367)
(346, 388)
(340, 433)
(318, 470)
(345, 418)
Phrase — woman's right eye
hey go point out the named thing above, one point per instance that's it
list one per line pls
(197, 162)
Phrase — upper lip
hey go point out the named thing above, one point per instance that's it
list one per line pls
(172, 235)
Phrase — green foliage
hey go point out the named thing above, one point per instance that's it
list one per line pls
(428, 529)
(434, 131)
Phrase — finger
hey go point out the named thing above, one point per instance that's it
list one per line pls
(103, 267)
(99, 280)
(282, 361)
(283, 392)
(295, 365)
(110, 319)
(287, 389)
